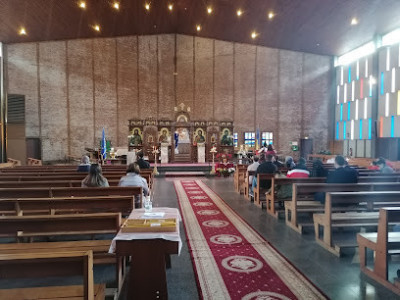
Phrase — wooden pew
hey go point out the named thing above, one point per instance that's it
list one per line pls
(69, 192)
(303, 198)
(66, 226)
(272, 200)
(247, 184)
(271, 197)
(113, 178)
(238, 178)
(383, 243)
(37, 265)
(350, 210)
(52, 206)
(50, 183)
(259, 190)
(59, 225)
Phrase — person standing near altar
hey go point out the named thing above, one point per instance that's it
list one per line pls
(141, 162)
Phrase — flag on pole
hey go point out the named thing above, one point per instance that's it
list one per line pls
(103, 145)
(258, 142)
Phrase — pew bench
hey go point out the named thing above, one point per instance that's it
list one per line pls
(51, 192)
(67, 205)
(247, 184)
(303, 199)
(59, 225)
(258, 190)
(272, 199)
(42, 265)
(99, 249)
(383, 243)
(238, 178)
(350, 210)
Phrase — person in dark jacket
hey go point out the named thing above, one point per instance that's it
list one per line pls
(141, 162)
(267, 167)
(318, 169)
(342, 173)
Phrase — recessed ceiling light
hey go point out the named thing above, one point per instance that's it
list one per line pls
(239, 12)
(82, 4)
(209, 10)
(271, 15)
(354, 21)
(22, 31)
(170, 7)
(198, 27)
(147, 6)
(116, 5)
(96, 27)
(254, 35)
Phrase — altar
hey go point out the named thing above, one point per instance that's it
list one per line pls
(181, 140)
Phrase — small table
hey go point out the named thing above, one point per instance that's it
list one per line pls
(148, 251)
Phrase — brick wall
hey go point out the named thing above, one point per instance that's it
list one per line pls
(75, 88)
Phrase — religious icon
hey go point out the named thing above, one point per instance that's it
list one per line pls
(150, 139)
(183, 135)
(198, 136)
(136, 137)
(164, 136)
(226, 138)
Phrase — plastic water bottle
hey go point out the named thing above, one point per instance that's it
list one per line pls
(148, 205)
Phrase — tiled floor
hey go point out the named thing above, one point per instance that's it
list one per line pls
(338, 278)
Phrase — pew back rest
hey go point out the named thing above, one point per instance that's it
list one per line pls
(36, 265)
(121, 204)
(387, 215)
(311, 188)
(60, 224)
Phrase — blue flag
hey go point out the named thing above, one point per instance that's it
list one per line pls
(103, 145)
(258, 141)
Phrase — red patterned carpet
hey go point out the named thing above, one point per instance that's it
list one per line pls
(231, 260)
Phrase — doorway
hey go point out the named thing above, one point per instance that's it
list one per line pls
(306, 147)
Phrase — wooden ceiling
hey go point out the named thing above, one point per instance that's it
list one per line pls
(316, 26)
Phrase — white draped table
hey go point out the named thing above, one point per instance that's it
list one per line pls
(150, 253)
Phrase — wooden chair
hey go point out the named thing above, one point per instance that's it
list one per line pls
(383, 243)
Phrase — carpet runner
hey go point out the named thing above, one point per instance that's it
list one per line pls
(231, 260)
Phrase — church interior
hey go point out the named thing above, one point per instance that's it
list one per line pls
(199, 149)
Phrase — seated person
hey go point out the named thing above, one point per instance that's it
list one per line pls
(342, 174)
(84, 166)
(267, 167)
(383, 166)
(318, 169)
(133, 178)
(300, 170)
(141, 162)
(253, 167)
(95, 178)
(289, 163)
